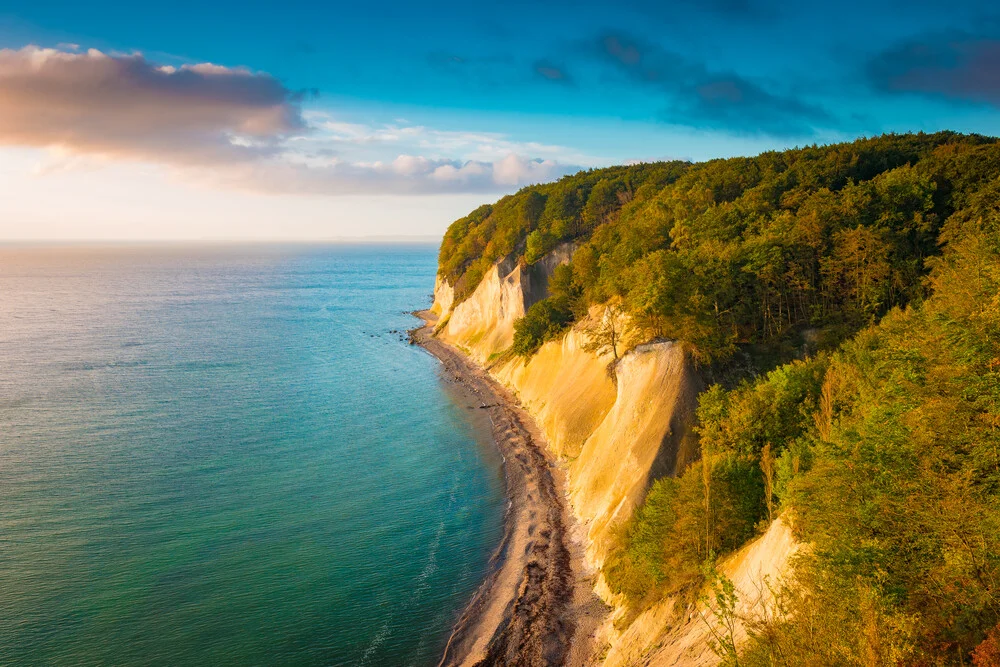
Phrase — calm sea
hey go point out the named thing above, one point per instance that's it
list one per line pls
(214, 455)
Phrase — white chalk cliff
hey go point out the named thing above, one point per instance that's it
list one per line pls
(616, 433)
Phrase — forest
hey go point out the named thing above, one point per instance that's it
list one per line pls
(843, 303)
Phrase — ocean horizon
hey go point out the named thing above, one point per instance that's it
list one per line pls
(230, 453)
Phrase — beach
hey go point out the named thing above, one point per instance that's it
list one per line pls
(537, 605)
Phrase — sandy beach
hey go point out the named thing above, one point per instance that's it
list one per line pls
(537, 606)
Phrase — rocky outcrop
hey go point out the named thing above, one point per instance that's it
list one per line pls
(444, 297)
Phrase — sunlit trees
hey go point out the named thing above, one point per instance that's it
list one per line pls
(846, 299)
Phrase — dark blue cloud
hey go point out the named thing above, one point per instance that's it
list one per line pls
(696, 96)
(957, 66)
(549, 71)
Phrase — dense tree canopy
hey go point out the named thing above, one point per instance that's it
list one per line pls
(745, 251)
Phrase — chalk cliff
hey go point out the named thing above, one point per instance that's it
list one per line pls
(618, 430)
(617, 427)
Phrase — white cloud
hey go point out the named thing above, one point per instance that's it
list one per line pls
(124, 106)
(231, 127)
(405, 175)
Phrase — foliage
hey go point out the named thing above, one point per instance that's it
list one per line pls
(663, 547)
(987, 654)
(607, 334)
(887, 463)
(901, 500)
(543, 321)
(721, 619)
(747, 251)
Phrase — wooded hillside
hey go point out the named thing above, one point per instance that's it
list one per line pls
(848, 297)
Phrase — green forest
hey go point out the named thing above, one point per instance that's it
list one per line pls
(843, 303)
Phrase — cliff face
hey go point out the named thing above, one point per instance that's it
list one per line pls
(483, 324)
(566, 389)
(444, 297)
(617, 432)
(645, 435)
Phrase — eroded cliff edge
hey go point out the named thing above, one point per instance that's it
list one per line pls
(616, 427)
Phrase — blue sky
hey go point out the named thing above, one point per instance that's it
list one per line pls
(393, 118)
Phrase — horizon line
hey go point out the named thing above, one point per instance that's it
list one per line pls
(343, 240)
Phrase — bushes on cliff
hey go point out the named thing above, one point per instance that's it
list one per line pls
(543, 321)
(661, 550)
(665, 544)
(548, 214)
(776, 408)
(888, 466)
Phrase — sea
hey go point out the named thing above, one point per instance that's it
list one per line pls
(216, 454)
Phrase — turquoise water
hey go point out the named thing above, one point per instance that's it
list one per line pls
(224, 456)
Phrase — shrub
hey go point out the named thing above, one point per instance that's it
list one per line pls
(543, 321)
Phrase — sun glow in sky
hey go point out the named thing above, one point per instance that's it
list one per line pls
(285, 121)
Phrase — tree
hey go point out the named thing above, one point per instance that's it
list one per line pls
(608, 334)
(767, 467)
(722, 619)
(537, 245)
(706, 481)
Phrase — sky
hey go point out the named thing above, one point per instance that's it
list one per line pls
(315, 121)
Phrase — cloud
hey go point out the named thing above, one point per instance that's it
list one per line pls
(701, 98)
(955, 66)
(127, 106)
(479, 146)
(230, 127)
(405, 175)
(549, 71)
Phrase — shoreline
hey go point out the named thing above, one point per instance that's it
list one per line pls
(537, 605)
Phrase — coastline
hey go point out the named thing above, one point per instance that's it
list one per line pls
(537, 606)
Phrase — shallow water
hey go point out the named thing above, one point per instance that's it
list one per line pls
(222, 455)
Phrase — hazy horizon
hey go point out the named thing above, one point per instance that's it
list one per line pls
(190, 242)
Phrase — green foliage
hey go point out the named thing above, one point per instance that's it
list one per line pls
(538, 244)
(888, 465)
(900, 500)
(662, 549)
(722, 619)
(775, 409)
(556, 211)
(639, 567)
(543, 321)
(745, 252)
(737, 502)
